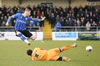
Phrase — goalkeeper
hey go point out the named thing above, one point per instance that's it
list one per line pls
(49, 55)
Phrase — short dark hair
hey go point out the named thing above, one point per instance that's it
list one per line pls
(28, 8)
(29, 52)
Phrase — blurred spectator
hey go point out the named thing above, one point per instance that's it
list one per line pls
(85, 13)
(67, 22)
(88, 26)
(77, 16)
(91, 15)
(94, 24)
(62, 22)
(5, 18)
(87, 17)
(99, 24)
(82, 22)
(0, 14)
(71, 22)
(95, 18)
(13, 22)
(1, 21)
(91, 21)
(52, 19)
(58, 26)
(32, 23)
(38, 14)
(78, 22)
(15, 9)
(34, 14)
(58, 18)
(38, 24)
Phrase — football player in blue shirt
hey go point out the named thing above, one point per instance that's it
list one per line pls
(20, 24)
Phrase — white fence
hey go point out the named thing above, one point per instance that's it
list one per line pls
(12, 36)
(64, 35)
(55, 36)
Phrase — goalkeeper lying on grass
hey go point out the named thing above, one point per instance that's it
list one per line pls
(49, 55)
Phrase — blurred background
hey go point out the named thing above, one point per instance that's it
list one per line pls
(67, 21)
(81, 16)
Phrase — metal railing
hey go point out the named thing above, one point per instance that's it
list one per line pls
(11, 28)
(61, 29)
(76, 29)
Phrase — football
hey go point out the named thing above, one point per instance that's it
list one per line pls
(89, 48)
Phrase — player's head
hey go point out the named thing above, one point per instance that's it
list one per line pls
(27, 11)
(29, 52)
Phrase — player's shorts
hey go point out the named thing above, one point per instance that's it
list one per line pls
(59, 59)
(53, 54)
(26, 33)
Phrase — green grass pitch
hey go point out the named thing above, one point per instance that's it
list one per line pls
(13, 53)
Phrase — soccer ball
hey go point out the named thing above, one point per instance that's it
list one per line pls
(89, 48)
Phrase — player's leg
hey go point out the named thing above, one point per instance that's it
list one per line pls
(22, 37)
(63, 59)
(68, 47)
(66, 59)
(29, 35)
(58, 58)
(53, 54)
(58, 50)
(32, 37)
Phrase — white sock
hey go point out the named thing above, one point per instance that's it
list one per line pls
(26, 41)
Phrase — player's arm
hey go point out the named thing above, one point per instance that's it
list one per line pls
(10, 19)
(32, 58)
(37, 19)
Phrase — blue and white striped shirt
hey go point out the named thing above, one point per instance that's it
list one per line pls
(20, 24)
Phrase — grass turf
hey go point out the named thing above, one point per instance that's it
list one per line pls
(13, 53)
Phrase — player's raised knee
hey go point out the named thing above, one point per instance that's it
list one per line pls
(32, 38)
